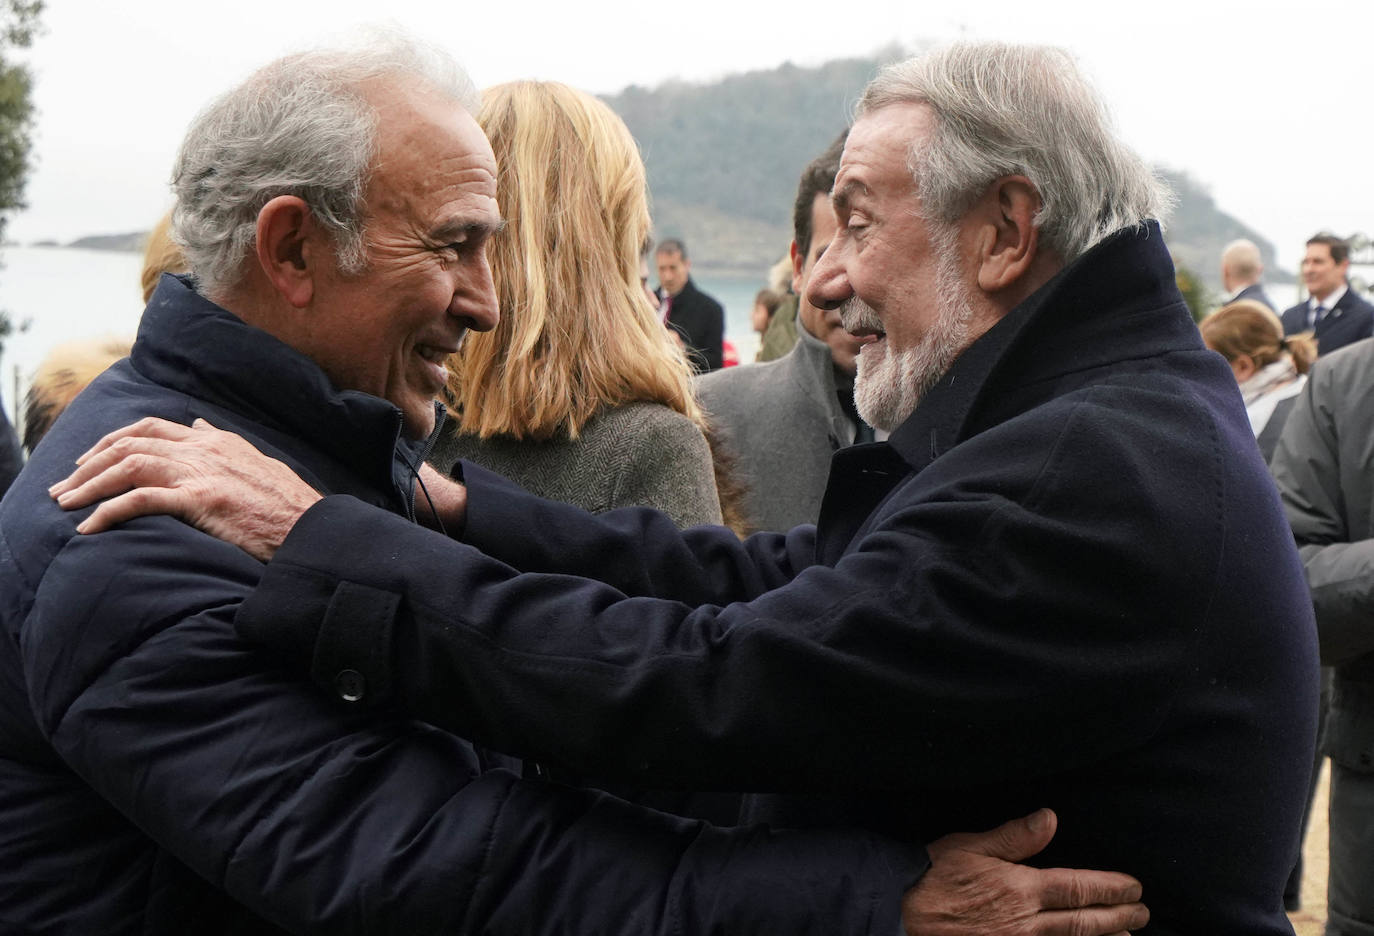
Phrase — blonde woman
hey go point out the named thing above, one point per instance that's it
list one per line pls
(1270, 368)
(578, 394)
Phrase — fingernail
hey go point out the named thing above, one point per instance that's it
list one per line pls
(64, 498)
(83, 526)
(1039, 820)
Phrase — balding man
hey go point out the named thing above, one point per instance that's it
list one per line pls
(1241, 271)
(158, 775)
(1066, 577)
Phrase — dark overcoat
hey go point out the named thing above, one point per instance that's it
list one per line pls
(1065, 581)
(700, 320)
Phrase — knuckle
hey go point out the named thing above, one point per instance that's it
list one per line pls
(139, 464)
(1077, 892)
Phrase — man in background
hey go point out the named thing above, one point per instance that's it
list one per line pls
(698, 319)
(1241, 270)
(782, 420)
(1332, 311)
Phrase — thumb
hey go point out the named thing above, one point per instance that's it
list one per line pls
(1018, 839)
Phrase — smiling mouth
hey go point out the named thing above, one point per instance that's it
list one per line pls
(435, 354)
(867, 336)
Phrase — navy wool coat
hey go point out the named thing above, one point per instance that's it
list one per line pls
(1065, 581)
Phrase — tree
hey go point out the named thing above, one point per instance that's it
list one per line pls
(18, 26)
(1195, 292)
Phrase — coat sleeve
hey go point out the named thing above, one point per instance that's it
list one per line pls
(1307, 468)
(948, 648)
(323, 818)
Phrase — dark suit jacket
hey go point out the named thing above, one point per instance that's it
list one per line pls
(1256, 292)
(1350, 320)
(701, 322)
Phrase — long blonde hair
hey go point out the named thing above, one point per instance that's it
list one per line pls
(577, 332)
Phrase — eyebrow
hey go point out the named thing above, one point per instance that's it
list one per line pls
(842, 196)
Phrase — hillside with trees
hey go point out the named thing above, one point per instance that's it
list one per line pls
(723, 161)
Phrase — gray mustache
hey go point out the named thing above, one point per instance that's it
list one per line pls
(855, 314)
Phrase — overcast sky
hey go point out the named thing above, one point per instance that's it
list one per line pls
(1272, 109)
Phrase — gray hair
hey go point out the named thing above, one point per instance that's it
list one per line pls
(299, 126)
(1003, 110)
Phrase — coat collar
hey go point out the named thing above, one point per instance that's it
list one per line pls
(1119, 300)
(811, 369)
(188, 343)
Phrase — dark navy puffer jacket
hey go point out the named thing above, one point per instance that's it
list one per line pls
(159, 775)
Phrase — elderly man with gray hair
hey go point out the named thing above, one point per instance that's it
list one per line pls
(1064, 579)
(160, 775)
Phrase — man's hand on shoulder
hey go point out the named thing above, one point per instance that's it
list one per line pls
(975, 888)
(214, 480)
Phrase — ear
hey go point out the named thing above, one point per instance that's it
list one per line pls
(1244, 366)
(287, 239)
(1005, 238)
(798, 261)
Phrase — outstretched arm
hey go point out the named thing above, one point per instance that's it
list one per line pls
(617, 646)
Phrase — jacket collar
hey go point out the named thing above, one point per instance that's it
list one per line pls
(1117, 301)
(811, 369)
(188, 343)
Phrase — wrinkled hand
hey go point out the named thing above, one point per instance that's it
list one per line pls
(214, 480)
(974, 887)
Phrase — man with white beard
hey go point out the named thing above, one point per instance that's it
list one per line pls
(1064, 580)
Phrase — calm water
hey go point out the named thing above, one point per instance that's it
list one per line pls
(68, 294)
(65, 294)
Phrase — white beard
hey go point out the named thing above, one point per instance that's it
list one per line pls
(889, 384)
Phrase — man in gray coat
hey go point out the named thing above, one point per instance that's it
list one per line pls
(781, 421)
(1322, 469)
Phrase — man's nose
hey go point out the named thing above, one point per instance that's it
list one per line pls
(474, 299)
(829, 286)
